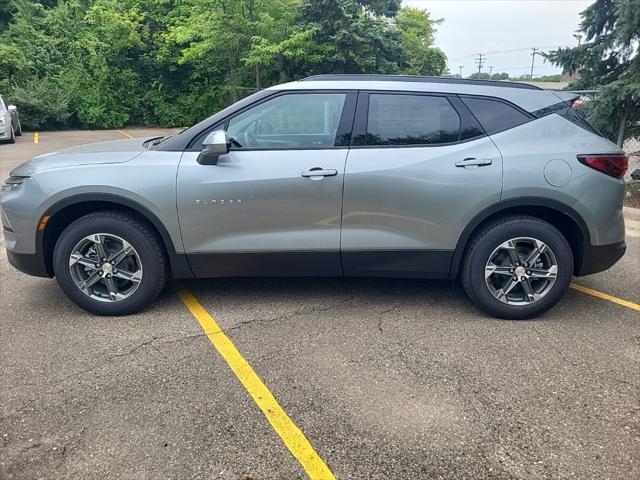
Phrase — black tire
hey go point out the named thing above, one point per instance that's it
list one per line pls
(19, 130)
(490, 237)
(12, 139)
(141, 237)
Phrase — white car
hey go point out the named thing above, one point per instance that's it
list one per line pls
(10, 127)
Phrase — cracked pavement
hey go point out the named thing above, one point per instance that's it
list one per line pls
(388, 379)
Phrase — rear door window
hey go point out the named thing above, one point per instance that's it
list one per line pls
(395, 119)
(493, 115)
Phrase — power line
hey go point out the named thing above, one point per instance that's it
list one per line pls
(495, 52)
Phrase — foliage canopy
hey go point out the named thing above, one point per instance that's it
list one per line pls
(110, 63)
(608, 60)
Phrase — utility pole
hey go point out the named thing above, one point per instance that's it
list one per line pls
(461, 67)
(533, 59)
(480, 61)
(491, 70)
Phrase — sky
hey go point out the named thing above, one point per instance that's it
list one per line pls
(504, 31)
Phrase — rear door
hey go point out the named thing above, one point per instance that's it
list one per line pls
(272, 205)
(419, 169)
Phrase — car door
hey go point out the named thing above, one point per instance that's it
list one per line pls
(419, 169)
(271, 206)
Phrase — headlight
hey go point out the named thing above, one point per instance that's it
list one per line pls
(12, 182)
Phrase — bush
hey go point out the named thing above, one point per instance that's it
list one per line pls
(42, 104)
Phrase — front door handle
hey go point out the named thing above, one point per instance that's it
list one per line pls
(474, 162)
(317, 173)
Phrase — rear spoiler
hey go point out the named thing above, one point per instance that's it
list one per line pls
(567, 97)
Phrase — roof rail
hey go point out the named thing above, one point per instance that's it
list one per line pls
(416, 78)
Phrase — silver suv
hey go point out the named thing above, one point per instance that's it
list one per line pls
(10, 127)
(501, 185)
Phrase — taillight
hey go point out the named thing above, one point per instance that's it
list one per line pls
(577, 103)
(614, 165)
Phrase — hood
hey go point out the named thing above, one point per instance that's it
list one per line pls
(115, 151)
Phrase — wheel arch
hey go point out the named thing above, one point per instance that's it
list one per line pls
(560, 215)
(62, 213)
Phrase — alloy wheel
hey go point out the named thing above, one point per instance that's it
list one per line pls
(105, 267)
(521, 271)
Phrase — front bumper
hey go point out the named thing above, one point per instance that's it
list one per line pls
(5, 133)
(29, 263)
(601, 257)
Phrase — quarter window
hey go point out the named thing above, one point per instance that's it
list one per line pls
(289, 121)
(411, 120)
(495, 116)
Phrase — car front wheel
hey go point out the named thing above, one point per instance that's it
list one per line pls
(517, 267)
(110, 263)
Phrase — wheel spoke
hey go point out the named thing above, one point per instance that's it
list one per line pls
(551, 272)
(504, 291)
(98, 243)
(122, 254)
(90, 281)
(529, 295)
(510, 247)
(111, 286)
(537, 251)
(82, 260)
(492, 268)
(134, 277)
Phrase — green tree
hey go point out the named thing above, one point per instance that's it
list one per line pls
(608, 61)
(109, 63)
(416, 43)
(500, 76)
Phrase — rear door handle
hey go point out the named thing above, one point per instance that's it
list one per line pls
(319, 172)
(474, 162)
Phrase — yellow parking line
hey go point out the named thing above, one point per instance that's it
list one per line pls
(290, 434)
(605, 296)
(125, 134)
(36, 137)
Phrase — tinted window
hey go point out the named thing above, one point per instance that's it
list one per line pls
(495, 116)
(411, 120)
(289, 121)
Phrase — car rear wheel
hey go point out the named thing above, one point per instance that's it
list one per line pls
(517, 267)
(110, 263)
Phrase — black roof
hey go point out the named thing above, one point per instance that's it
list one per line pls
(416, 78)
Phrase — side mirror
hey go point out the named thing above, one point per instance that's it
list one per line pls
(12, 108)
(214, 145)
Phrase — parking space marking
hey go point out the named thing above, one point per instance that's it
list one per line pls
(290, 434)
(605, 296)
(125, 134)
(36, 137)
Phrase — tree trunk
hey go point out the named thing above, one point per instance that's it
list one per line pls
(621, 129)
(233, 80)
(257, 77)
(281, 73)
